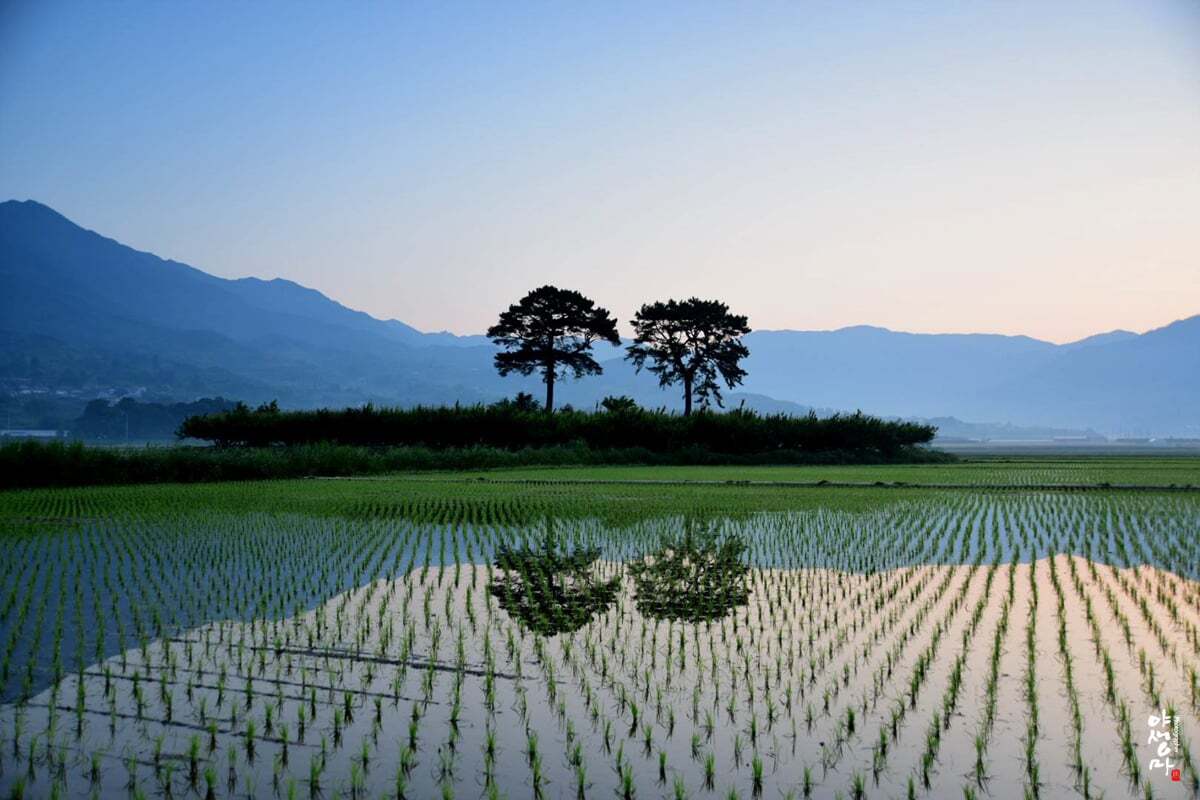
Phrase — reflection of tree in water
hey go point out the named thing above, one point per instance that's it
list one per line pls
(695, 579)
(550, 591)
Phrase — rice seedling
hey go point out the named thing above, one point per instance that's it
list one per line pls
(756, 771)
(858, 787)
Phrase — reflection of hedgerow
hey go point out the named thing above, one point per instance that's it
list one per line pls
(549, 590)
(695, 579)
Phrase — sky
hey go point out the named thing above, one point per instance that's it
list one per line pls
(1013, 167)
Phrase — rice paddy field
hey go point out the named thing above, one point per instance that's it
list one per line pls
(995, 629)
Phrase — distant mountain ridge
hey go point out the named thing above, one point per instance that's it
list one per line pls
(1118, 382)
(83, 311)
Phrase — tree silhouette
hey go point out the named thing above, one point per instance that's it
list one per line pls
(552, 330)
(691, 341)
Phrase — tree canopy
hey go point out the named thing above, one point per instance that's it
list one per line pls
(552, 330)
(694, 342)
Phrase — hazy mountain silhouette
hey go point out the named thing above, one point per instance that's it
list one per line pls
(1117, 382)
(80, 310)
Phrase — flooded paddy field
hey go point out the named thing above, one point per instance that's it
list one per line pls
(422, 639)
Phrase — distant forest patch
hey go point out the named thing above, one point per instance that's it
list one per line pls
(129, 420)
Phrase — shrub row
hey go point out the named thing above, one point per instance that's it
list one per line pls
(36, 464)
(508, 426)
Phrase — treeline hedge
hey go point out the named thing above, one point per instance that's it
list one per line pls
(509, 426)
(31, 464)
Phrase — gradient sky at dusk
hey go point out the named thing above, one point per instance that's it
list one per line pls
(1015, 167)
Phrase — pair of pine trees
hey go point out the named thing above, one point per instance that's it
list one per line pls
(693, 342)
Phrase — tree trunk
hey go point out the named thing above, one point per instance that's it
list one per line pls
(549, 388)
(687, 397)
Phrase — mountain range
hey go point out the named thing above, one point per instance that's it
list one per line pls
(84, 315)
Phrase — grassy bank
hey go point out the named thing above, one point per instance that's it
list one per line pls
(35, 464)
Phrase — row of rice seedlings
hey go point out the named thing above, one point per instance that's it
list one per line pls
(987, 720)
(944, 713)
(890, 730)
(1112, 695)
(1152, 690)
(1033, 781)
(1078, 765)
